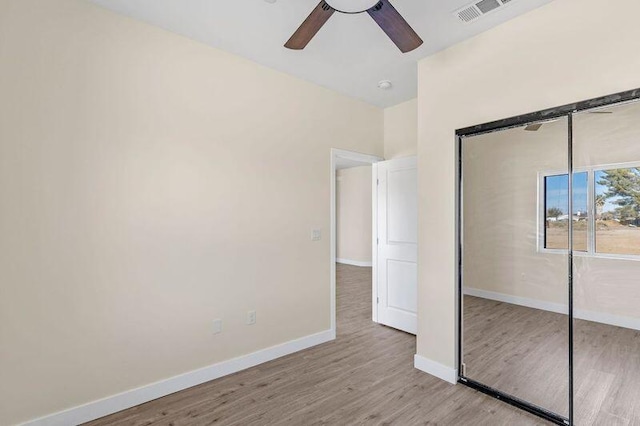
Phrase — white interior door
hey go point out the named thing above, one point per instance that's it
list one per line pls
(397, 243)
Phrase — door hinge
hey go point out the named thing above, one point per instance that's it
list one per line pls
(377, 300)
(377, 181)
(377, 241)
(464, 369)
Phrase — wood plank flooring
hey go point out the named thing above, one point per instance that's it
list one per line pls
(364, 377)
(520, 351)
(524, 352)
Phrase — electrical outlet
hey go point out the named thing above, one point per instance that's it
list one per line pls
(217, 326)
(316, 235)
(251, 317)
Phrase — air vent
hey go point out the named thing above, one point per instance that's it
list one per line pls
(469, 14)
(477, 9)
(487, 6)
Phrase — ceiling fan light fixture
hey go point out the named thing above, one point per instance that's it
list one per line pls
(352, 6)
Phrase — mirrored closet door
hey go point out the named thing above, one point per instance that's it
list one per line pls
(549, 261)
(515, 265)
(606, 279)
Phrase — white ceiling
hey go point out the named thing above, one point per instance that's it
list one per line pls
(350, 54)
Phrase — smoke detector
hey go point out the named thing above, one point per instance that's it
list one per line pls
(385, 85)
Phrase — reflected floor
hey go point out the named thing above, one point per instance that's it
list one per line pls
(523, 352)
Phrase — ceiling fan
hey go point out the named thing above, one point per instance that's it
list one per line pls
(382, 12)
(536, 126)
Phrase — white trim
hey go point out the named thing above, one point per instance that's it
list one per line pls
(355, 156)
(582, 314)
(374, 242)
(610, 319)
(436, 369)
(347, 155)
(113, 404)
(354, 262)
(558, 308)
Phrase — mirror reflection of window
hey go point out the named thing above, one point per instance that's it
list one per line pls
(617, 205)
(557, 216)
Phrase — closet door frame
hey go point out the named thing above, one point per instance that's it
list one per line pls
(550, 114)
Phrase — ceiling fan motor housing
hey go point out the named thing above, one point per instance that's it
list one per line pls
(352, 6)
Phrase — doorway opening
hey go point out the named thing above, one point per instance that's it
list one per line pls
(349, 171)
(374, 236)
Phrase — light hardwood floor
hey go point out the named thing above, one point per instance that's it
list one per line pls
(524, 352)
(365, 377)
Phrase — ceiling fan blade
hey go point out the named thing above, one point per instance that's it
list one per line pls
(533, 127)
(394, 25)
(310, 26)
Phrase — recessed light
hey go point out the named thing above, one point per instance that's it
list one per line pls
(270, 1)
(385, 85)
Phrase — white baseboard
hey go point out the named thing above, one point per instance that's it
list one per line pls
(113, 404)
(355, 262)
(604, 318)
(436, 369)
(559, 308)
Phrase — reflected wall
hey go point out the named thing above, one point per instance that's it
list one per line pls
(515, 349)
(549, 232)
(606, 147)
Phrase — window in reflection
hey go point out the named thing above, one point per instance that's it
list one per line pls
(556, 198)
(617, 202)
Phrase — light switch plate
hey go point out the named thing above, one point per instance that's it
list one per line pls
(316, 235)
(217, 326)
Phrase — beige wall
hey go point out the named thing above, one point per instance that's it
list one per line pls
(548, 57)
(353, 214)
(501, 208)
(149, 184)
(501, 213)
(401, 130)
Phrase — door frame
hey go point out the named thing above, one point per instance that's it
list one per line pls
(337, 154)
